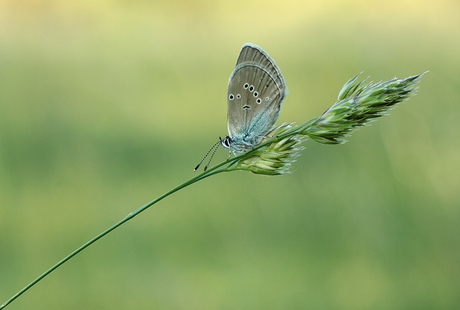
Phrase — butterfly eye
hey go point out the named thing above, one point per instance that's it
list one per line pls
(238, 96)
(245, 86)
(231, 97)
(251, 88)
(259, 101)
(256, 94)
(267, 98)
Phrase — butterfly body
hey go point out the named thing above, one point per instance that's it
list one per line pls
(256, 90)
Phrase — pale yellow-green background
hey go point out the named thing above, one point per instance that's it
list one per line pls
(105, 105)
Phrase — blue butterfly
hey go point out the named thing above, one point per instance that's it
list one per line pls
(256, 89)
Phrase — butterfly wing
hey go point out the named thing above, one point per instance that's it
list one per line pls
(251, 53)
(256, 90)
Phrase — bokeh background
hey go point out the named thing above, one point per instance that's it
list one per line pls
(105, 105)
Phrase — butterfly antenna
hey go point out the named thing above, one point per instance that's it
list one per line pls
(212, 155)
(197, 166)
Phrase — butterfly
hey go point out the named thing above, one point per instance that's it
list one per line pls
(256, 90)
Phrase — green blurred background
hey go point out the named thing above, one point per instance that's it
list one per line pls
(105, 105)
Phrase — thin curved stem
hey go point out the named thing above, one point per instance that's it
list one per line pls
(214, 170)
(211, 171)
